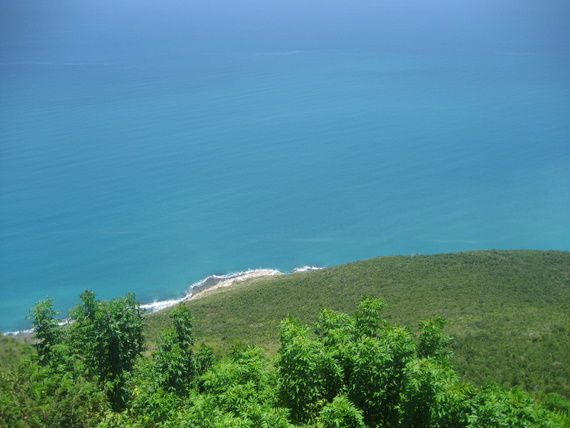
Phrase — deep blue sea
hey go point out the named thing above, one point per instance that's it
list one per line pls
(144, 147)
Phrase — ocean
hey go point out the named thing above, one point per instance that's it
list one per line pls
(146, 151)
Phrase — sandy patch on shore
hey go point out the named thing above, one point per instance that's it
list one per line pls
(258, 273)
(201, 289)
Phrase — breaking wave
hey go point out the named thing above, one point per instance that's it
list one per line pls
(212, 281)
(220, 280)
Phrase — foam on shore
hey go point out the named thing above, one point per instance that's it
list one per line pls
(30, 331)
(305, 269)
(218, 281)
(211, 282)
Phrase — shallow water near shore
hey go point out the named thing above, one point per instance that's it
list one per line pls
(147, 169)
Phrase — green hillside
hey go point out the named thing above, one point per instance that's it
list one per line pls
(353, 367)
(509, 311)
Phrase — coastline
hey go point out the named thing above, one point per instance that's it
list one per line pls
(214, 282)
(211, 282)
(258, 273)
(195, 291)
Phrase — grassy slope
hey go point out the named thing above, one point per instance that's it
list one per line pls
(509, 311)
(13, 350)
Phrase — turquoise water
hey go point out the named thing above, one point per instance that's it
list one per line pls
(147, 168)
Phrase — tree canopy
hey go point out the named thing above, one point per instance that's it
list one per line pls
(343, 372)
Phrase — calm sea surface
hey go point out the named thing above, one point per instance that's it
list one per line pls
(148, 170)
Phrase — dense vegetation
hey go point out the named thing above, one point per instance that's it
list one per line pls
(347, 371)
(508, 311)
